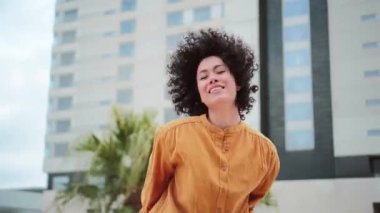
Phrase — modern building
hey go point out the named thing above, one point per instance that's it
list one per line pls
(114, 52)
(320, 105)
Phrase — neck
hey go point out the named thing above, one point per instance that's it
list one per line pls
(224, 118)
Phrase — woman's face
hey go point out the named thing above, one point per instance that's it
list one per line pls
(216, 84)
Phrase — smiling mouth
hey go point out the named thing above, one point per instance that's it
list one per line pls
(211, 90)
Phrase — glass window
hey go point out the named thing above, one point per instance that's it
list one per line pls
(68, 36)
(63, 126)
(67, 58)
(50, 126)
(299, 140)
(202, 14)
(370, 45)
(109, 12)
(371, 73)
(368, 17)
(127, 26)
(172, 41)
(297, 58)
(174, 18)
(127, 49)
(173, 1)
(109, 34)
(49, 150)
(125, 96)
(128, 5)
(295, 8)
(57, 17)
(65, 80)
(373, 132)
(298, 111)
(298, 84)
(125, 72)
(70, 15)
(170, 114)
(60, 149)
(296, 33)
(54, 60)
(60, 181)
(64, 103)
(373, 102)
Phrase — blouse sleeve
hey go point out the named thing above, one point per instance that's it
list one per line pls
(262, 189)
(160, 171)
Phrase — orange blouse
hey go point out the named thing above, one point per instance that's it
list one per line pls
(198, 167)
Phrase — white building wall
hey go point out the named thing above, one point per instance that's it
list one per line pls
(349, 59)
(351, 195)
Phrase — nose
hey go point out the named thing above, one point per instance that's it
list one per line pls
(213, 80)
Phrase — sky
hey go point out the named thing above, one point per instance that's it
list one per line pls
(26, 36)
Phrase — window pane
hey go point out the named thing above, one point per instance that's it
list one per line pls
(299, 111)
(124, 96)
(174, 1)
(60, 149)
(63, 126)
(368, 17)
(298, 84)
(60, 182)
(296, 33)
(371, 73)
(295, 8)
(68, 36)
(299, 140)
(373, 102)
(109, 12)
(170, 114)
(370, 45)
(49, 150)
(128, 5)
(65, 80)
(172, 41)
(70, 15)
(127, 26)
(174, 18)
(297, 58)
(202, 14)
(125, 72)
(67, 58)
(373, 132)
(64, 103)
(127, 49)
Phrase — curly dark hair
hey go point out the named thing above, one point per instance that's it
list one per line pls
(182, 69)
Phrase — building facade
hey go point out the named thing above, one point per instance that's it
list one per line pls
(320, 105)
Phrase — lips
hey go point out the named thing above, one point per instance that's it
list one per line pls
(215, 89)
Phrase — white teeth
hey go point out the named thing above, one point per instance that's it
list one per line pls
(222, 87)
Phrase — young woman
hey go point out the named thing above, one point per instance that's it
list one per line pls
(210, 161)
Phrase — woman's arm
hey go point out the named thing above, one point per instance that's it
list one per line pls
(160, 171)
(262, 189)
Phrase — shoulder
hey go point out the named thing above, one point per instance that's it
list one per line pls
(178, 123)
(260, 139)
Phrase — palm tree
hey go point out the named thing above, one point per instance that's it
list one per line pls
(120, 160)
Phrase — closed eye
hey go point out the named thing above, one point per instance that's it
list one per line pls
(203, 77)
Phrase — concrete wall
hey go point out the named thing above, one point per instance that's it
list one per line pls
(328, 196)
(350, 89)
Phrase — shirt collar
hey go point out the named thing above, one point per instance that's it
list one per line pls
(218, 130)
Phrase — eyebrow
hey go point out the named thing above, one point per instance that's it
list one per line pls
(216, 66)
